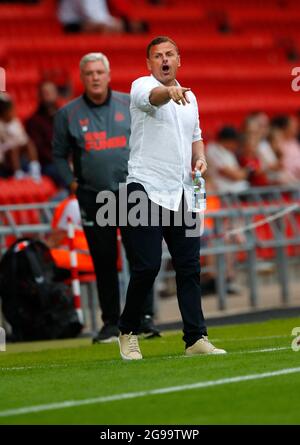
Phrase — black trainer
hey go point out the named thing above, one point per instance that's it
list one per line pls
(147, 328)
(107, 334)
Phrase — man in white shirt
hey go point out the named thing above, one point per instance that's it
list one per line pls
(165, 145)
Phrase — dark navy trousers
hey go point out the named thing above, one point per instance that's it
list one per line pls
(145, 245)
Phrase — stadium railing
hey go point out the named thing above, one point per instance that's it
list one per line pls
(267, 220)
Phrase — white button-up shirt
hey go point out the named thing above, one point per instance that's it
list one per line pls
(161, 145)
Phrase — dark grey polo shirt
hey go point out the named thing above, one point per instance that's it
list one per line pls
(97, 139)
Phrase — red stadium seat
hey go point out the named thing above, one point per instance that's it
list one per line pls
(232, 73)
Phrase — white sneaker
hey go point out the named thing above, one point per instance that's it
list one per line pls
(129, 347)
(203, 346)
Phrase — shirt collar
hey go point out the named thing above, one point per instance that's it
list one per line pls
(153, 77)
(93, 104)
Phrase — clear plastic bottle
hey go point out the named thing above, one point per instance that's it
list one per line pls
(199, 192)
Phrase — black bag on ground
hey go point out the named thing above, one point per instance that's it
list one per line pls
(35, 305)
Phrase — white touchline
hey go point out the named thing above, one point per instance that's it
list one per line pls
(150, 392)
(251, 351)
(25, 368)
(251, 338)
(281, 348)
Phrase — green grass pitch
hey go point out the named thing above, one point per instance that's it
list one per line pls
(66, 382)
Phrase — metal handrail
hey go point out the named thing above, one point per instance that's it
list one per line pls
(234, 209)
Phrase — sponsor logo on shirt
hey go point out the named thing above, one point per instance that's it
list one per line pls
(84, 123)
(119, 117)
(97, 140)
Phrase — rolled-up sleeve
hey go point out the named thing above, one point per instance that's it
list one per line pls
(140, 92)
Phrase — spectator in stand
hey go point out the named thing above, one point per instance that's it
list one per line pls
(257, 124)
(88, 16)
(226, 173)
(283, 176)
(16, 148)
(40, 128)
(95, 16)
(289, 145)
(251, 162)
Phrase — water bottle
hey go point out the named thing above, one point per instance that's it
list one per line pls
(199, 193)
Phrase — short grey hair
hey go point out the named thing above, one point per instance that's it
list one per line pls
(94, 57)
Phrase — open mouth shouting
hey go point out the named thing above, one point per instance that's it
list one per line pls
(166, 69)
